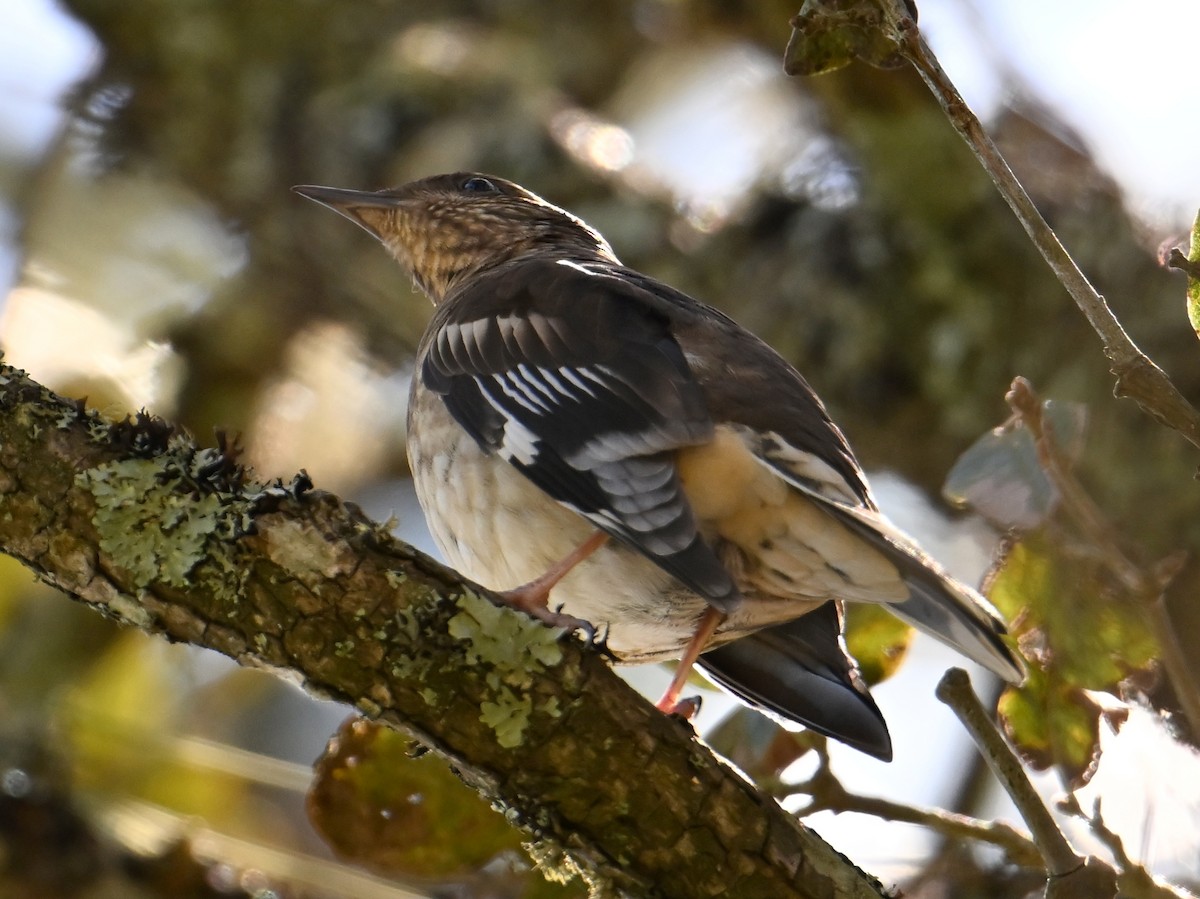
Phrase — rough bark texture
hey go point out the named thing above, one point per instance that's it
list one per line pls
(139, 524)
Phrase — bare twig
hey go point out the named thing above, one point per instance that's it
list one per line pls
(1176, 260)
(955, 691)
(828, 794)
(1027, 408)
(1137, 375)
(1134, 880)
(1147, 586)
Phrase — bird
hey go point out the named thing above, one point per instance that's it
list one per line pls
(607, 451)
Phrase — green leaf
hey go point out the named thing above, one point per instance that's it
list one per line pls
(1054, 725)
(1080, 634)
(1193, 282)
(377, 805)
(877, 639)
(830, 34)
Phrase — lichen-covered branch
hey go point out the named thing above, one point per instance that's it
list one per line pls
(138, 523)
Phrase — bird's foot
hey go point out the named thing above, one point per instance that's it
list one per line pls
(670, 702)
(687, 709)
(532, 599)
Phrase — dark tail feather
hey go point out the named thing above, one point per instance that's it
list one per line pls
(801, 671)
(941, 606)
(953, 613)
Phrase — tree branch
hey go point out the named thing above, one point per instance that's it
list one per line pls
(138, 523)
(827, 793)
(955, 691)
(1137, 375)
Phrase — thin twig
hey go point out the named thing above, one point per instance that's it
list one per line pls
(1137, 375)
(1176, 260)
(827, 793)
(1027, 408)
(955, 691)
(1133, 879)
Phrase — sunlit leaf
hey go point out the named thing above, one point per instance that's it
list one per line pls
(1054, 725)
(1193, 284)
(877, 639)
(1000, 477)
(1080, 634)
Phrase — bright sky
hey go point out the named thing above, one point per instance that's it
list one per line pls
(1119, 73)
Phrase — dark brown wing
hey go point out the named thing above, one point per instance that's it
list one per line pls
(582, 387)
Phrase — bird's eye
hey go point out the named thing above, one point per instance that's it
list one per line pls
(478, 186)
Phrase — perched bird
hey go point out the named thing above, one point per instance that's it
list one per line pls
(605, 448)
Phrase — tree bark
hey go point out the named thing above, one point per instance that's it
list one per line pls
(135, 521)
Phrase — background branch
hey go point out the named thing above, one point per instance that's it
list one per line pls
(955, 690)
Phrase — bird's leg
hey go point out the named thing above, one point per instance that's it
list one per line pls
(670, 702)
(533, 598)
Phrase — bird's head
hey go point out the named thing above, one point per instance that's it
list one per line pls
(447, 228)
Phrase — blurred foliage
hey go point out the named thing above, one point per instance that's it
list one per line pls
(168, 264)
(1000, 477)
(381, 801)
(827, 36)
(877, 639)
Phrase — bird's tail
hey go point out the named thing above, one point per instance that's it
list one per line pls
(938, 604)
(800, 671)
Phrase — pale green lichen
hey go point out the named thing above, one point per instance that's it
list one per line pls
(508, 716)
(514, 648)
(154, 524)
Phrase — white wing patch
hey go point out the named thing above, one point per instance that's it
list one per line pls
(518, 443)
(805, 471)
(519, 393)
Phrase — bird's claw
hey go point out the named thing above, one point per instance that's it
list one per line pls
(687, 709)
(599, 643)
(559, 618)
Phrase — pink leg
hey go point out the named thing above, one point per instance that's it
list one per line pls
(534, 597)
(670, 701)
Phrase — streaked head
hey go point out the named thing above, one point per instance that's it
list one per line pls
(446, 228)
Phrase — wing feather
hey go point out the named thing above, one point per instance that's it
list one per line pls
(585, 391)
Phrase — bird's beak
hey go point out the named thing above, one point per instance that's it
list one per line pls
(367, 209)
